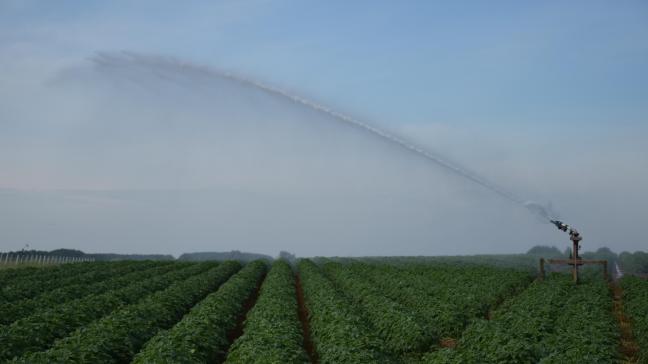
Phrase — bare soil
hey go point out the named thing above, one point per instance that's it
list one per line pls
(303, 317)
(628, 346)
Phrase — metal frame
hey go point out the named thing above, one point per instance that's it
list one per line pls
(575, 263)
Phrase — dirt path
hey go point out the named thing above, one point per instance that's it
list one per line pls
(628, 346)
(303, 317)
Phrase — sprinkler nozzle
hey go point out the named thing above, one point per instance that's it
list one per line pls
(560, 225)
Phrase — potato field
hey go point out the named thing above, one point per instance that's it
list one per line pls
(317, 311)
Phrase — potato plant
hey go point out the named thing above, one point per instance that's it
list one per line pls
(338, 330)
(635, 299)
(117, 337)
(43, 280)
(446, 297)
(272, 333)
(38, 331)
(401, 330)
(547, 323)
(386, 310)
(202, 335)
(118, 277)
(584, 330)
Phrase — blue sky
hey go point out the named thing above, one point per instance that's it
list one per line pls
(511, 62)
(548, 99)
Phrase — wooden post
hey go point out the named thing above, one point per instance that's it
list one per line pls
(575, 256)
(542, 270)
(605, 270)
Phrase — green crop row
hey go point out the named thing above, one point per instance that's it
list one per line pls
(272, 332)
(635, 301)
(45, 279)
(400, 329)
(446, 297)
(339, 332)
(202, 335)
(551, 322)
(117, 337)
(15, 275)
(517, 331)
(7, 276)
(584, 331)
(37, 332)
(118, 277)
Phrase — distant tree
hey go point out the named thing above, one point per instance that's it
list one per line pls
(287, 256)
(603, 253)
(634, 263)
(242, 257)
(67, 253)
(568, 252)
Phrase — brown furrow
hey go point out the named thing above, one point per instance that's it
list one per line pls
(627, 346)
(303, 317)
(247, 306)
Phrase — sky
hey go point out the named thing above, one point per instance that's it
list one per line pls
(115, 135)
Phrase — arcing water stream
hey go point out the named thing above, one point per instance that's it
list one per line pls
(167, 66)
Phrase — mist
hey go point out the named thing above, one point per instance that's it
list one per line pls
(143, 156)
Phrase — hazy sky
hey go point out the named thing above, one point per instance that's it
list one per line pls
(549, 100)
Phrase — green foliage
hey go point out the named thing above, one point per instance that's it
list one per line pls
(9, 273)
(117, 337)
(585, 331)
(359, 311)
(239, 256)
(552, 321)
(338, 330)
(109, 277)
(635, 300)
(525, 262)
(634, 263)
(202, 335)
(36, 332)
(272, 331)
(446, 296)
(25, 286)
(400, 329)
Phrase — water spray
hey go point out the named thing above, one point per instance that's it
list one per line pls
(107, 61)
(574, 235)
(169, 68)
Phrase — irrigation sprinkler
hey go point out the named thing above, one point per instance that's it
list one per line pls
(575, 260)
